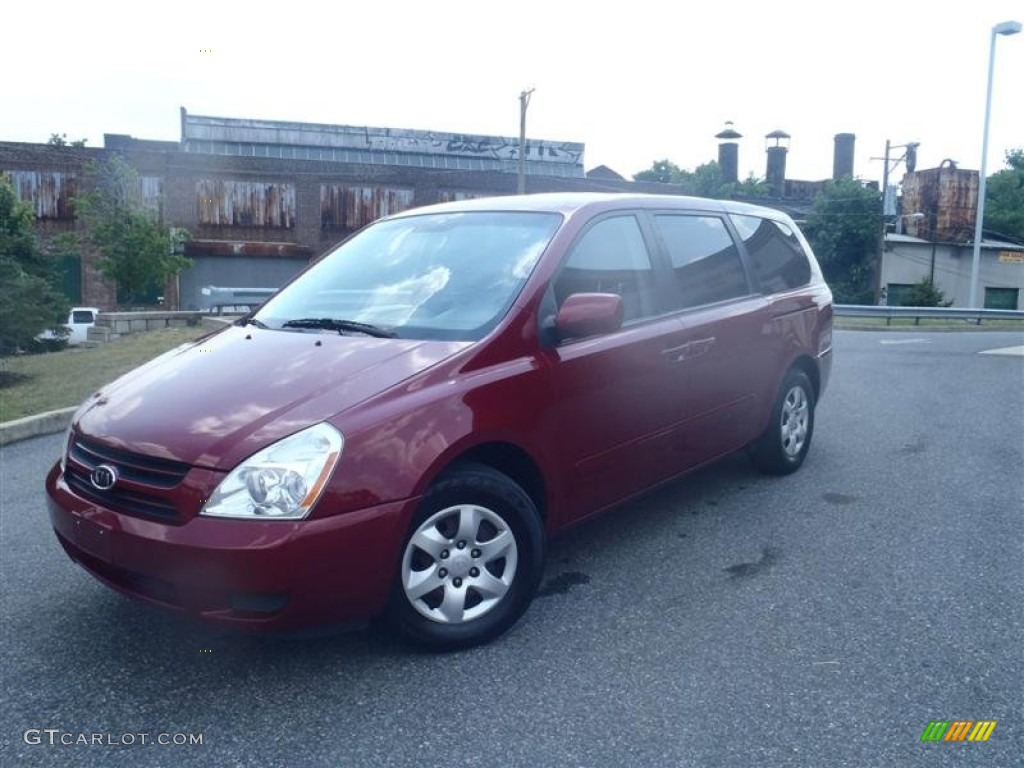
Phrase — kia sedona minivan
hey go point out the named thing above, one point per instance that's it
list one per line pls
(400, 429)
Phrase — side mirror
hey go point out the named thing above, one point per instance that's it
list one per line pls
(589, 314)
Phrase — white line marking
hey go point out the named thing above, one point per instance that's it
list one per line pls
(905, 341)
(1011, 351)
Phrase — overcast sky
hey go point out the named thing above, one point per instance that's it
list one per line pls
(635, 81)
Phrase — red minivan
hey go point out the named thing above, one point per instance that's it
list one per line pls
(400, 428)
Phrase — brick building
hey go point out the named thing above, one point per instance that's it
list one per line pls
(261, 198)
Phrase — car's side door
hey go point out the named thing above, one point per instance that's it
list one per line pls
(615, 397)
(722, 354)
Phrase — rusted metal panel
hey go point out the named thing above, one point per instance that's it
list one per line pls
(948, 198)
(351, 207)
(245, 203)
(246, 248)
(452, 195)
(151, 189)
(50, 193)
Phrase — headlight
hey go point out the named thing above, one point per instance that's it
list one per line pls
(281, 482)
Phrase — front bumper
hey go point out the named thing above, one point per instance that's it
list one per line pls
(246, 573)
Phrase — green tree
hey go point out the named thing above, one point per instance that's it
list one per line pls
(704, 181)
(843, 228)
(29, 302)
(1004, 199)
(662, 171)
(752, 186)
(924, 294)
(61, 140)
(135, 248)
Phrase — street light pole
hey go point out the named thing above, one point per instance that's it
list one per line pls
(1005, 28)
(524, 102)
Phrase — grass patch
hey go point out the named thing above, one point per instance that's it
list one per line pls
(53, 380)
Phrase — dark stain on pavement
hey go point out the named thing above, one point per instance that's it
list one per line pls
(910, 449)
(562, 583)
(769, 557)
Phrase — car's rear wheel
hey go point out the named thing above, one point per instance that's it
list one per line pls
(471, 561)
(782, 447)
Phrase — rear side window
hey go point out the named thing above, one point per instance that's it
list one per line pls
(611, 258)
(81, 316)
(778, 258)
(705, 261)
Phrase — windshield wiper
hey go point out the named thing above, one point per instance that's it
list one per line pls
(250, 320)
(331, 324)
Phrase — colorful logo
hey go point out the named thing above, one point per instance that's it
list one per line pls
(958, 730)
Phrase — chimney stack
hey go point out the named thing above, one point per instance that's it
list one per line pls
(776, 172)
(842, 157)
(728, 153)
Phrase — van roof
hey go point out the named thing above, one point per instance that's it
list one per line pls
(570, 203)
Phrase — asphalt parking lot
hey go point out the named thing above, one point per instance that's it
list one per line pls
(822, 619)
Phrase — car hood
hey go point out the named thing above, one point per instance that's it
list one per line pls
(214, 402)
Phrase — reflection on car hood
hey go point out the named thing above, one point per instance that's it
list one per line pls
(212, 403)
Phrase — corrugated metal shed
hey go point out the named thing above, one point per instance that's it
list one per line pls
(350, 207)
(377, 146)
(949, 199)
(245, 203)
(48, 192)
(247, 131)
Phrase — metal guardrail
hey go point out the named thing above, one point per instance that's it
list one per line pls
(947, 313)
(218, 298)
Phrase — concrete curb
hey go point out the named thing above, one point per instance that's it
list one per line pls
(32, 426)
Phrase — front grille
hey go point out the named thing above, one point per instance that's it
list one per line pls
(145, 470)
(150, 477)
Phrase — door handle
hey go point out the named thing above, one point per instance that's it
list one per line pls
(687, 351)
(675, 355)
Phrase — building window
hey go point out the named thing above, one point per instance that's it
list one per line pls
(1001, 298)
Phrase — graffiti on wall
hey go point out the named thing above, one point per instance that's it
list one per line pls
(286, 134)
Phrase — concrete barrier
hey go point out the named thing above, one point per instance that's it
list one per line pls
(32, 426)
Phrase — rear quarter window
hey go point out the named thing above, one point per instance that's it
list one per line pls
(775, 252)
(81, 316)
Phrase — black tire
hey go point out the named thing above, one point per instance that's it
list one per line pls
(779, 451)
(465, 493)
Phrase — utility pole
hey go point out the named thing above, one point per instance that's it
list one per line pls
(524, 102)
(910, 158)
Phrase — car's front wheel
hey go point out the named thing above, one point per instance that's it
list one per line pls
(471, 562)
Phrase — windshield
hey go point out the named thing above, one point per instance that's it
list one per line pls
(436, 276)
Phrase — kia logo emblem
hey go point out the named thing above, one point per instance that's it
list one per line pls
(103, 477)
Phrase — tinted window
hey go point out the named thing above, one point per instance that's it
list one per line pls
(611, 258)
(704, 258)
(81, 316)
(778, 258)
